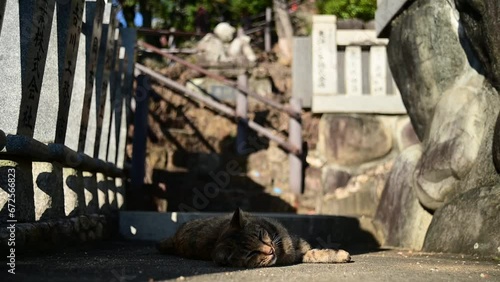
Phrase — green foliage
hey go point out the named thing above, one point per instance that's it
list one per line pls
(238, 7)
(181, 14)
(348, 9)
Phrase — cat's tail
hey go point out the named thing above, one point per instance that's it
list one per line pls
(166, 246)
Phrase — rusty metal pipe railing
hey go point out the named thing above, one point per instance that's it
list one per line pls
(272, 103)
(181, 88)
(219, 107)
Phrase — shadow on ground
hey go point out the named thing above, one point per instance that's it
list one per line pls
(138, 261)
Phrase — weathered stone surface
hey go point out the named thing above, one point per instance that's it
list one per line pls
(353, 140)
(425, 57)
(405, 134)
(401, 219)
(312, 180)
(261, 86)
(361, 193)
(21, 172)
(48, 190)
(467, 224)
(359, 202)
(74, 197)
(333, 178)
(480, 22)
(219, 47)
(90, 191)
(275, 154)
(457, 152)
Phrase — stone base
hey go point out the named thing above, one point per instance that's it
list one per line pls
(468, 224)
(401, 219)
(55, 234)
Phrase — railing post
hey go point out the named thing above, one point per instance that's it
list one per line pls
(140, 132)
(241, 113)
(267, 31)
(295, 139)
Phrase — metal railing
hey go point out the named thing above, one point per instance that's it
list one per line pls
(294, 143)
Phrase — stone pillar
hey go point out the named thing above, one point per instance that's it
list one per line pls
(14, 40)
(94, 14)
(324, 56)
(302, 70)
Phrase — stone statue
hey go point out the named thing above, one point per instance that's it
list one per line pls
(219, 47)
(444, 193)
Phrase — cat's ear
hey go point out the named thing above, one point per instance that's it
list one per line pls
(237, 220)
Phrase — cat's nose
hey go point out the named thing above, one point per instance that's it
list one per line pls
(268, 250)
(271, 251)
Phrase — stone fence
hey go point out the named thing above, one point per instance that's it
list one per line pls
(344, 71)
(67, 78)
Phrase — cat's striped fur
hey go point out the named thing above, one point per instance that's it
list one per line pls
(244, 240)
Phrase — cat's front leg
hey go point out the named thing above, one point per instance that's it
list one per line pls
(326, 256)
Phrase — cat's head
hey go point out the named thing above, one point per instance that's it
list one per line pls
(246, 243)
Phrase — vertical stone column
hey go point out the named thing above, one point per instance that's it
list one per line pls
(302, 70)
(103, 103)
(120, 122)
(16, 25)
(86, 111)
(94, 13)
(324, 58)
(69, 31)
(295, 138)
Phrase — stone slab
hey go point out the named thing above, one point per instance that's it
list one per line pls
(353, 71)
(76, 104)
(302, 70)
(214, 89)
(358, 104)
(324, 55)
(378, 71)
(69, 55)
(15, 25)
(94, 15)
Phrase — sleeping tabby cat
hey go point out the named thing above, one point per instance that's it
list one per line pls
(243, 240)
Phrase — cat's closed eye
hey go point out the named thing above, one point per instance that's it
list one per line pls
(252, 253)
(264, 237)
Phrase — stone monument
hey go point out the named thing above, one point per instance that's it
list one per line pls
(444, 57)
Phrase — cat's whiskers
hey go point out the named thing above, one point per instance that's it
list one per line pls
(277, 241)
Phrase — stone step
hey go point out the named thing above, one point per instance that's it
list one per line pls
(320, 231)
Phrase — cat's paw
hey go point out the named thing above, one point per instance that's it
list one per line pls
(343, 256)
(326, 256)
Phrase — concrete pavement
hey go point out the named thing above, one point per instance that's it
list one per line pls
(135, 261)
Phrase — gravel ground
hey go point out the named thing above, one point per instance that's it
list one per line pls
(135, 261)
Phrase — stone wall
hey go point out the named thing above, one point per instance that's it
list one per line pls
(350, 164)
